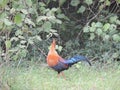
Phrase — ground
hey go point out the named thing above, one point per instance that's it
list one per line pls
(78, 77)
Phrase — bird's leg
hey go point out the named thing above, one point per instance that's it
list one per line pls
(58, 75)
(61, 74)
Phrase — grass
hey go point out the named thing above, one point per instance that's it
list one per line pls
(36, 77)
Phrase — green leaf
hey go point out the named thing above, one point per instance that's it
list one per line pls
(92, 29)
(60, 15)
(40, 18)
(54, 32)
(3, 15)
(93, 24)
(14, 39)
(106, 27)
(21, 46)
(58, 21)
(47, 26)
(116, 55)
(101, 0)
(86, 29)
(18, 19)
(23, 53)
(38, 38)
(15, 57)
(106, 37)
(74, 2)
(22, 41)
(42, 4)
(24, 11)
(61, 2)
(99, 24)
(92, 36)
(54, 9)
(29, 2)
(1, 25)
(99, 31)
(8, 43)
(12, 10)
(3, 3)
(107, 2)
(18, 5)
(18, 32)
(101, 8)
(116, 37)
(113, 27)
(29, 21)
(118, 1)
(30, 41)
(81, 9)
(44, 18)
(21, 37)
(59, 48)
(51, 12)
(118, 22)
(113, 19)
(88, 2)
(7, 22)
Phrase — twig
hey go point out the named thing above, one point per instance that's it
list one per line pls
(42, 52)
(19, 62)
(79, 34)
(93, 59)
(93, 18)
(95, 15)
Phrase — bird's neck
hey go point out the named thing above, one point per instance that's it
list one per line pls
(52, 51)
(52, 48)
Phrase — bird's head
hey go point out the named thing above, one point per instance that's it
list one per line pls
(53, 44)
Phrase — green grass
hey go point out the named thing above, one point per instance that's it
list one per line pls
(36, 77)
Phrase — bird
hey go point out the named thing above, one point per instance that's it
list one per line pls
(59, 64)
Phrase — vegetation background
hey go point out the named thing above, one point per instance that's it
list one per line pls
(85, 27)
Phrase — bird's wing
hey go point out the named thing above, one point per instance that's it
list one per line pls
(60, 66)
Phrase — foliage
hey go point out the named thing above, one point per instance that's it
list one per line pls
(81, 26)
(93, 30)
(22, 24)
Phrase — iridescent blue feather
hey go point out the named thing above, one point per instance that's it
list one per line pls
(76, 59)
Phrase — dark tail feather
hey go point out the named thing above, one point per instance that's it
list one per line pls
(76, 59)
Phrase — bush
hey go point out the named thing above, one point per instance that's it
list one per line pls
(84, 27)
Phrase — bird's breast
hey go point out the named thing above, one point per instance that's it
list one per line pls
(52, 60)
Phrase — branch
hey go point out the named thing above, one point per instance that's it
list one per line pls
(42, 52)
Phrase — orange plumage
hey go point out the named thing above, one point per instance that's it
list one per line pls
(53, 57)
